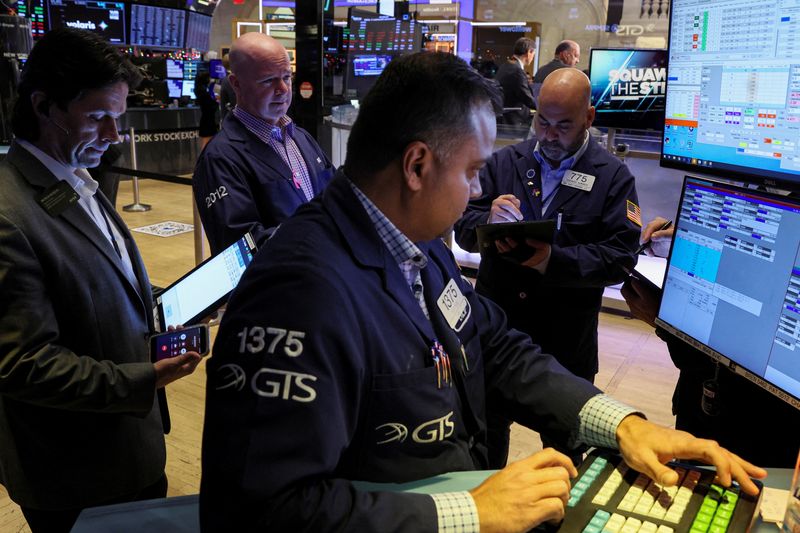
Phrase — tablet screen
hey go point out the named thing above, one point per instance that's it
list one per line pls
(205, 287)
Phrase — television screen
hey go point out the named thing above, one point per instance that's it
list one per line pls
(733, 99)
(216, 69)
(198, 31)
(190, 69)
(36, 12)
(188, 90)
(175, 69)
(175, 88)
(106, 19)
(732, 285)
(628, 88)
(370, 65)
(158, 26)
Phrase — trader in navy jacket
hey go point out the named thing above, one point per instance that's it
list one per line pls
(354, 350)
(261, 167)
(561, 174)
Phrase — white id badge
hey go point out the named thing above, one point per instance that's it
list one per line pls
(578, 180)
(454, 306)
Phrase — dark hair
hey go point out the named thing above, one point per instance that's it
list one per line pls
(563, 46)
(65, 63)
(428, 97)
(523, 45)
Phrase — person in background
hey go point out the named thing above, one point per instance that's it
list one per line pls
(261, 167)
(352, 348)
(208, 108)
(554, 292)
(82, 406)
(514, 82)
(773, 435)
(227, 96)
(567, 54)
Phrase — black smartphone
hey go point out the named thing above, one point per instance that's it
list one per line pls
(180, 341)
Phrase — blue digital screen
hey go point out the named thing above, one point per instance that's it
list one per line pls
(175, 88)
(628, 88)
(370, 65)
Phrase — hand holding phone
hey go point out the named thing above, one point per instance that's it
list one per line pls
(180, 341)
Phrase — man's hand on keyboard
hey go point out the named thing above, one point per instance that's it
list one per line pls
(646, 447)
(525, 494)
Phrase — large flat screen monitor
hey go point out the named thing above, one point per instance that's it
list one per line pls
(106, 19)
(732, 286)
(733, 95)
(198, 31)
(628, 87)
(159, 27)
(175, 88)
(36, 12)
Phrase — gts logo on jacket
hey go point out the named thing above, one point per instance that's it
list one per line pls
(435, 430)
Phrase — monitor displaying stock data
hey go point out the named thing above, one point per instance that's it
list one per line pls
(733, 90)
(732, 287)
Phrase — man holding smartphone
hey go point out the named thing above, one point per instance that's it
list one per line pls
(82, 405)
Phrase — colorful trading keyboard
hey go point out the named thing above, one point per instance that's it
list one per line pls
(610, 497)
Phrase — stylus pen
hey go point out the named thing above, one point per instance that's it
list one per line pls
(641, 248)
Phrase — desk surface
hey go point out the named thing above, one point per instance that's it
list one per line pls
(180, 514)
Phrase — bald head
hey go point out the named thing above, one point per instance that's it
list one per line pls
(568, 52)
(564, 113)
(253, 48)
(567, 87)
(261, 76)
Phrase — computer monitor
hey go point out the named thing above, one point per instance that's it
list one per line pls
(733, 100)
(36, 12)
(175, 88)
(188, 90)
(158, 27)
(175, 69)
(106, 19)
(190, 69)
(198, 31)
(628, 87)
(732, 286)
(370, 65)
(216, 69)
(372, 41)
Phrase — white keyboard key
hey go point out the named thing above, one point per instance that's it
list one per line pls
(664, 529)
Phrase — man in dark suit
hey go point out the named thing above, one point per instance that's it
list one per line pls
(261, 167)
(516, 87)
(82, 405)
(567, 54)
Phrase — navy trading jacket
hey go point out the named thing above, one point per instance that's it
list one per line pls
(322, 374)
(241, 183)
(595, 243)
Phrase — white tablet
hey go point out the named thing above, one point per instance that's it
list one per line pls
(204, 288)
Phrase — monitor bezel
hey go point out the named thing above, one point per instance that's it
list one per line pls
(720, 358)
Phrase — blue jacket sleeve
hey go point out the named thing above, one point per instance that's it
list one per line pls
(478, 210)
(225, 201)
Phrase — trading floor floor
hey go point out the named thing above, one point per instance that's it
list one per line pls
(634, 363)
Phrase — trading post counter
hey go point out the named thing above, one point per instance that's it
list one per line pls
(605, 491)
(167, 139)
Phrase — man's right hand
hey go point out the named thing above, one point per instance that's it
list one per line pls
(525, 494)
(174, 368)
(505, 208)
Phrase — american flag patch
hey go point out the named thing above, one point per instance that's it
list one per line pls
(634, 213)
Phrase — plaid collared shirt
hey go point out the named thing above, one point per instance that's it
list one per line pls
(280, 138)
